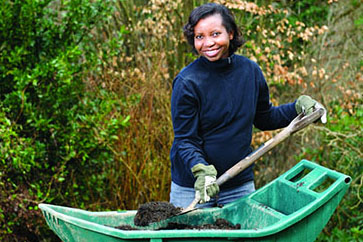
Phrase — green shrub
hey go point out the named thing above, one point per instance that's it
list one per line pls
(341, 141)
(54, 133)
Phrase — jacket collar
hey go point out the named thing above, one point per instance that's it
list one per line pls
(220, 65)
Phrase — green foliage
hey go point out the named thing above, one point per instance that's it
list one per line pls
(358, 22)
(342, 138)
(53, 133)
(310, 12)
(351, 235)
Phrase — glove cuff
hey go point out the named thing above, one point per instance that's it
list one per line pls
(201, 169)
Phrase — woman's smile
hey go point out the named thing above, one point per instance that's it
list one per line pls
(211, 53)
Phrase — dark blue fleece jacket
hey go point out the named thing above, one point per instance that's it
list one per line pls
(214, 106)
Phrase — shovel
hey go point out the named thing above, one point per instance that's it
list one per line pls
(300, 122)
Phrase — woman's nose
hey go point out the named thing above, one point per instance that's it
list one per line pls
(209, 42)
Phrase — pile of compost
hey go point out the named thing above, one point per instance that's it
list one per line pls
(152, 212)
(156, 211)
(219, 224)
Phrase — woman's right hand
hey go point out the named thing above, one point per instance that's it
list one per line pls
(205, 186)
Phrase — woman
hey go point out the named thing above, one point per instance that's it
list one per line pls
(216, 100)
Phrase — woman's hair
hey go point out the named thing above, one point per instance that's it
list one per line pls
(228, 22)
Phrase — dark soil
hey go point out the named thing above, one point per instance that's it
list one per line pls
(154, 212)
(126, 227)
(219, 224)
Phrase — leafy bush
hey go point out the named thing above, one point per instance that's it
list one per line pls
(54, 134)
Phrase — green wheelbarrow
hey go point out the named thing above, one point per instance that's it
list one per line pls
(294, 207)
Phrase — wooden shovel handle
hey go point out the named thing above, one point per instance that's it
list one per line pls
(300, 122)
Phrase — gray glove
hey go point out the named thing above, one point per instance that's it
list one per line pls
(205, 186)
(307, 105)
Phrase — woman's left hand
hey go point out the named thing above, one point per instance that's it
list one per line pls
(307, 105)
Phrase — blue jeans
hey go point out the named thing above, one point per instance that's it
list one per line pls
(183, 196)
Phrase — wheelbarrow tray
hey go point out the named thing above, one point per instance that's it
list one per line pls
(294, 207)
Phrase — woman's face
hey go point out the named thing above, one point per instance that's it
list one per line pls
(211, 38)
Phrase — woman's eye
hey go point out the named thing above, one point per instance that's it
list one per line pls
(216, 34)
(198, 37)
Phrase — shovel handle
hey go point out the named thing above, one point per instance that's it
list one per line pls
(300, 122)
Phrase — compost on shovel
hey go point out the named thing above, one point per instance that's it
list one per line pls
(154, 212)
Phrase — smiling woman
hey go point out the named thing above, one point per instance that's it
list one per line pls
(215, 102)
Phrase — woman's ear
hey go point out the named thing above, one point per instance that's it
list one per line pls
(231, 35)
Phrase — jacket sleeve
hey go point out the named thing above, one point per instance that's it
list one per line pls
(185, 118)
(269, 117)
